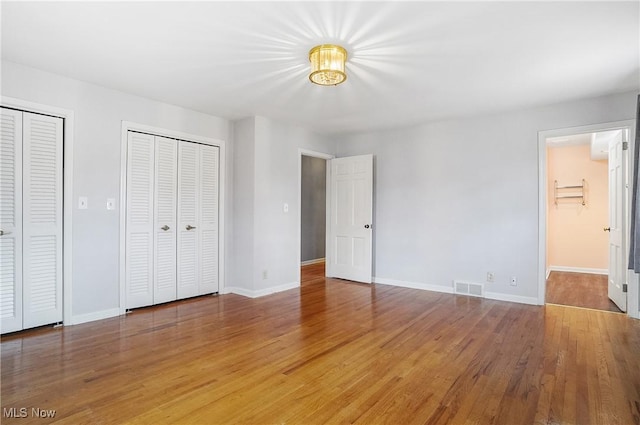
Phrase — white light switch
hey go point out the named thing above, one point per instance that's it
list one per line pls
(83, 203)
(111, 203)
(285, 208)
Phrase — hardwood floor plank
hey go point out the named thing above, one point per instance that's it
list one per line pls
(331, 352)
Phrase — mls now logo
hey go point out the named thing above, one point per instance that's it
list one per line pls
(23, 412)
(14, 412)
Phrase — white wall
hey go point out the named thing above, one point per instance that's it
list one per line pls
(98, 113)
(270, 152)
(456, 199)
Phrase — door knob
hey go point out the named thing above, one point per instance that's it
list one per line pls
(189, 227)
(607, 229)
(165, 227)
(366, 226)
(1, 232)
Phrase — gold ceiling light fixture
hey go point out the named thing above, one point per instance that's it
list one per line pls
(327, 65)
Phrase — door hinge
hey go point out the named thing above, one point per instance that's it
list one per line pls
(624, 287)
(625, 146)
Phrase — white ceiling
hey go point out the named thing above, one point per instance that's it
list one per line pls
(409, 62)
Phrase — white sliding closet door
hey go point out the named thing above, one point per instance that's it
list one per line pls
(42, 220)
(172, 220)
(209, 184)
(30, 220)
(11, 220)
(166, 173)
(188, 225)
(140, 222)
(198, 184)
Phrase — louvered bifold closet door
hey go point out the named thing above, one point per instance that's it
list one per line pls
(188, 225)
(165, 217)
(208, 232)
(140, 222)
(42, 220)
(198, 187)
(10, 220)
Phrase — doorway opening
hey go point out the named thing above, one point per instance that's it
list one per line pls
(584, 215)
(578, 203)
(313, 214)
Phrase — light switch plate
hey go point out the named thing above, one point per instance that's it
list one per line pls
(83, 203)
(285, 208)
(111, 203)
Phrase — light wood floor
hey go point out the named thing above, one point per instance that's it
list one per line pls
(332, 352)
(579, 290)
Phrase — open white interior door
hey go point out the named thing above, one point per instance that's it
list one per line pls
(351, 219)
(617, 255)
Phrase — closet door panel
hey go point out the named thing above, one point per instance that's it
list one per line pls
(140, 224)
(10, 220)
(42, 220)
(208, 231)
(188, 206)
(165, 219)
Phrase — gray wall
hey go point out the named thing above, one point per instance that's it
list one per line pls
(268, 151)
(456, 199)
(313, 208)
(241, 273)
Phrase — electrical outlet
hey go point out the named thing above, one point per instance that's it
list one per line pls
(490, 277)
(83, 203)
(514, 281)
(264, 275)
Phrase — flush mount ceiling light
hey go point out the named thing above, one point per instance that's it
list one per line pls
(327, 64)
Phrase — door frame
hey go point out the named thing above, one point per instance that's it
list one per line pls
(67, 116)
(179, 135)
(633, 303)
(327, 157)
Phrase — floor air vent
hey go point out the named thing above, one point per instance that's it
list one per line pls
(468, 288)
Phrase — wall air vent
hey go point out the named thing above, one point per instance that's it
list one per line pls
(468, 288)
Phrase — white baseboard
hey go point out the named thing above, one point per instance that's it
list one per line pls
(511, 298)
(91, 317)
(413, 285)
(548, 273)
(449, 290)
(225, 290)
(238, 291)
(261, 292)
(576, 270)
(309, 262)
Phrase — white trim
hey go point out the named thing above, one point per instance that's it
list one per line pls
(326, 156)
(548, 273)
(163, 132)
(67, 187)
(261, 292)
(576, 270)
(633, 300)
(413, 285)
(449, 290)
(309, 262)
(96, 315)
(498, 296)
